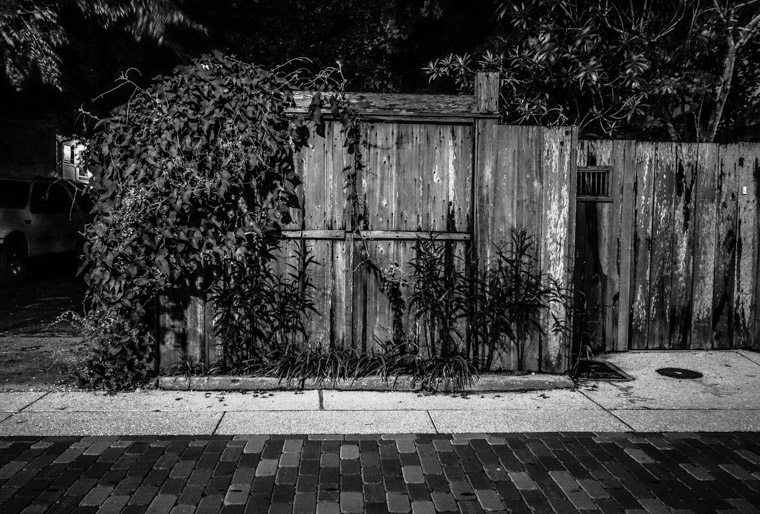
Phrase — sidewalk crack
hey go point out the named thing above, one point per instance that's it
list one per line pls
(608, 411)
(753, 362)
(47, 393)
(321, 399)
(213, 432)
(432, 422)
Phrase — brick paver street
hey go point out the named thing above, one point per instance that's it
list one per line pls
(546, 472)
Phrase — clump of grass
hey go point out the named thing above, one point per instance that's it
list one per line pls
(324, 364)
(296, 365)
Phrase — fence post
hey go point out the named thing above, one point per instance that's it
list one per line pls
(487, 92)
(486, 102)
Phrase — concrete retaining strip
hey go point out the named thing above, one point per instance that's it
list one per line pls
(485, 383)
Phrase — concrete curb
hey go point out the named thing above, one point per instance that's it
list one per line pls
(486, 383)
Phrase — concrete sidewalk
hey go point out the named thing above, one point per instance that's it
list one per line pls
(727, 398)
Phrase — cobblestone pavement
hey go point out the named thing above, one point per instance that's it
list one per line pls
(547, 472)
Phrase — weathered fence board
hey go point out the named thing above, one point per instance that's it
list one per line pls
(755, 185)
(725, 250)
(746, 248)
(705, 238)
(182, 335)
(661, 262)
(645, 176)
(558, 219)
(680, 303)
(609, 236)
(617, 294)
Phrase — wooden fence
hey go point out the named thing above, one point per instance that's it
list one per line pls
(671, 261)
(433, 164)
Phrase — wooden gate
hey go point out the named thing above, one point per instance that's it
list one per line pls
(416, 181)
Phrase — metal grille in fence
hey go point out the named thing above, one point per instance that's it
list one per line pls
(594, 183)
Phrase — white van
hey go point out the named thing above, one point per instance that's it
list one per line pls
(38, 217)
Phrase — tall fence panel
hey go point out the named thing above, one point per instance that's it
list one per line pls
(684, 273)
(417, 182)
(526, 178)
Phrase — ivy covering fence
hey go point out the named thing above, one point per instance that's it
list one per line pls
(321, 236)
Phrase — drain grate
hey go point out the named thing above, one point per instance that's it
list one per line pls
(597, 370)
(679, 373)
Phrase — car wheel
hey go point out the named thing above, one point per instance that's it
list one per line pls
(13, 262)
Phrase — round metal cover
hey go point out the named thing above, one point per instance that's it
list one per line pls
(679, 373)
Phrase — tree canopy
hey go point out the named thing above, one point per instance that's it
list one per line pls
(84, 46)
(33, 32)
(650, 69)
(675, 69)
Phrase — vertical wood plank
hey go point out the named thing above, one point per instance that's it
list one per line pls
(322, 273)
(603, 220)
(510, 140)
(746, 249)
(302, 163)
(535, 161)
(321, 214)
(662, 248)
(484, 177)
(559, 211)
(314, 182)
(583, 324)
(335, 180)
(626, 175)
(487, 92)
(755, 164)
(645, 177)
(622, 181)
(340, 316)
(725, 250)
(463, 184)
(483, 180)
(708, 163)
(610, 238)
(681, 298)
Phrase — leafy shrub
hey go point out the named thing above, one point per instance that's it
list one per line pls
(438, 298)
(121, 355)
(193, 175)
(259, 312)
(512, 294)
